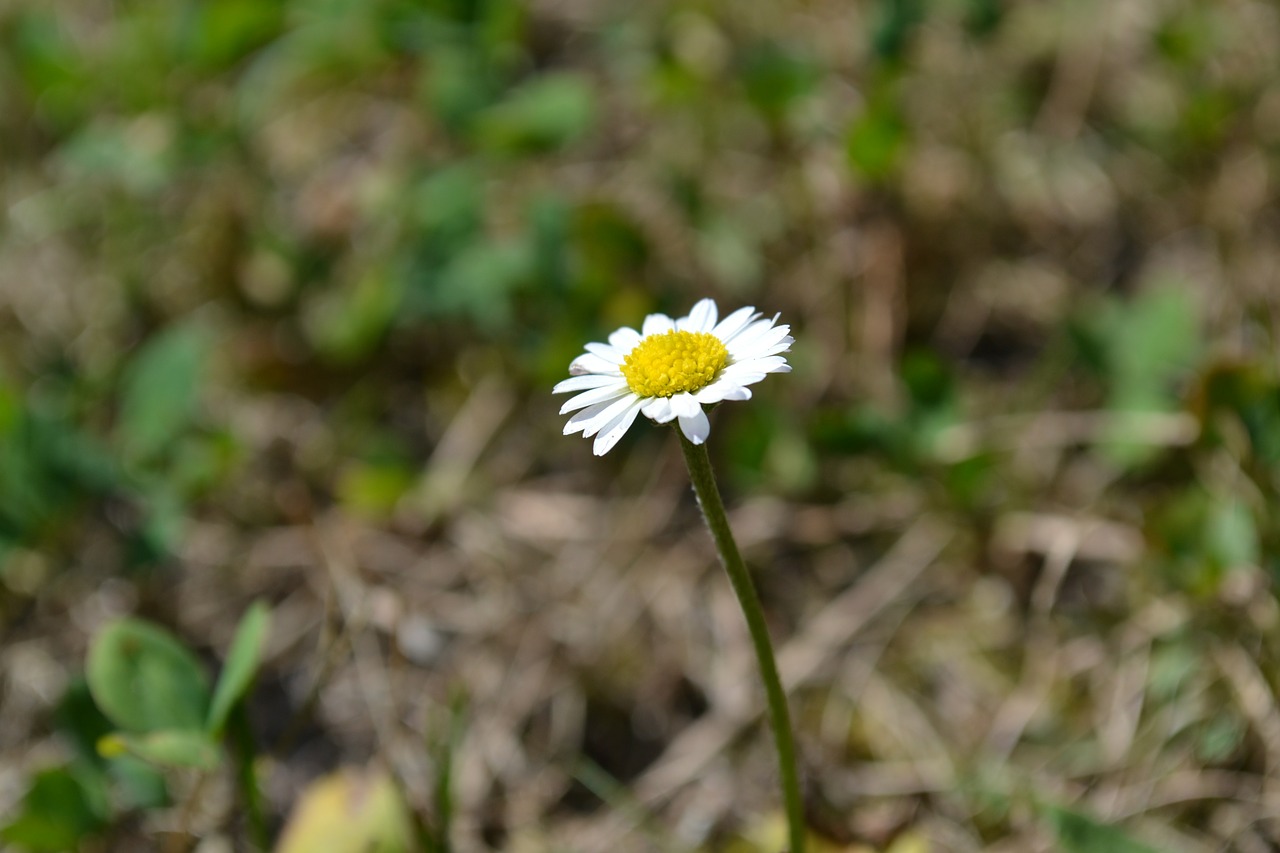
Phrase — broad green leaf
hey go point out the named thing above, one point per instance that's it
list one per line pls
(459, 84)
(1079, 833)
(56, 813)
(875, 141)
(49, 65)
(241, 666)
(47, 466)
(480, 281)
(449, 204)
(776, 78)
(1148, 345)
(347, 323)
(1231, 536)
(228, 29)
(138, 784)
(174, 748)
(1154, 340)
(898, 19)
(1245, 393)
(542, 115)
(138, 157)
(144, 680)
(160, 390)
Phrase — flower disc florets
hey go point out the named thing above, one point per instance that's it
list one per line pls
(674, 362)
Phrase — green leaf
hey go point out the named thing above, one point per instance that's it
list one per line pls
(543, 115)
(875, 141)
(1231, 537)
(1154, 340)
(776, 78)
(448, 204)
(1245, 393)
(225, 31)
(459, 84)
(241, 666)
(144, 680)
(138, 157)
(479, 281)
(47, 466)
(347, 323)
(1078, 833)
(57, 812)
(1173, 666)
(160, 390)
(898, 19)
(174, 748)
(1219, 739)
(374, 490)
(137, 784)
(49, 66)
(1148, 345)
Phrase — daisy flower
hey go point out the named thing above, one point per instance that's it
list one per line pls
(669, 370)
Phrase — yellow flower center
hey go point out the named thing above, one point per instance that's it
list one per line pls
(671, 363)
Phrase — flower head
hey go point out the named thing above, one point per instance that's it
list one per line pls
(669, 370)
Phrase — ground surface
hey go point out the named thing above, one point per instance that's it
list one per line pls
(284, 289)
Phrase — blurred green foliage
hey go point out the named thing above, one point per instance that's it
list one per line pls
(1078, 833)
(145, 704)
(259, 257)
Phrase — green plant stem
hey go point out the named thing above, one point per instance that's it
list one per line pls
(240, 736)
(704, 486)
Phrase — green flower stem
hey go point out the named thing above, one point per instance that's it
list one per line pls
(704, 486)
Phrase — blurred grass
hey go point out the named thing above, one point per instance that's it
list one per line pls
(284, 286)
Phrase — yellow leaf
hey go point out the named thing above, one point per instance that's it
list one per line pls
(770, 836)
(909, 842)
(350, 811)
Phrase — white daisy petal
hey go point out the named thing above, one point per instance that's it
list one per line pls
(579, 421)
(749, 331)
(658, 410)
(657, 324)
(745, 340)
(617, 428)
(606, 352)
(782, 346)
(592, 364)
(768, 364)
(595, 395)
(734, 323)
(606, 417)
(696, 428)
(743, 378)
(701, 319)
(625, 339)
(720, 390)
(684, 405)
(763, 341)
(588, 380)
